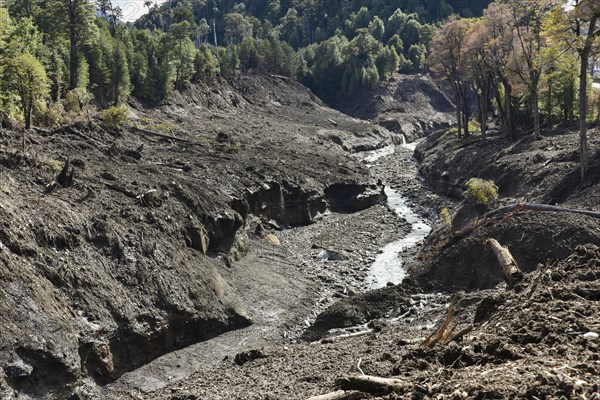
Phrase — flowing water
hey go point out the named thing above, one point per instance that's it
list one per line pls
(388, 265)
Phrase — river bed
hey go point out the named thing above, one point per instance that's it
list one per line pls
(388, 265)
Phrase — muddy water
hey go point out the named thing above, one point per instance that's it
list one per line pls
(388, 265)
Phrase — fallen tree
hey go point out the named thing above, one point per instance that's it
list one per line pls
(512, 272)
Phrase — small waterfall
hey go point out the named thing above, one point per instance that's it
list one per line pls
(403, 139)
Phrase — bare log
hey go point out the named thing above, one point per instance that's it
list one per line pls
(371, 384)
(161, 135)
(340, 395)
(539, 207)
(490, 217)
(512, 273)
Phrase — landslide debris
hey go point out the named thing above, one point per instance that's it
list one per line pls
(534, 340)
(130, 261)
(536, 171)
(412, 105)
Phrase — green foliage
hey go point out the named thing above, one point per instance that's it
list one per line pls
(482, 191)
(445, 214)
(474, 127)
(26, 78)
(336, 48)
(114, 117)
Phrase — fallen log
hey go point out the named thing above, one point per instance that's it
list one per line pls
(371, 384)
(512, 272)
(539, 207)
(161, 135)
(493, 215)
(340, 395)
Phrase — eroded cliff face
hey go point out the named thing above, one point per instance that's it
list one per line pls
(126, 264)
(411, 105)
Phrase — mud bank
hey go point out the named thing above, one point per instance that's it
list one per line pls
(136, 258)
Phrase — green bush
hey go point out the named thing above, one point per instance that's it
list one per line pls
(50, 117)
(445, 214)
(482, 191)
(474, 127)
(114, 117)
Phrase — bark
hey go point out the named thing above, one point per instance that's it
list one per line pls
(458, 110)
(371, 384)
(501, 110)
(73, 61)
(585, 57)
(465, 105)
(512, 273)
(536, 112)
(549, 104)
(340, 395)
(512, 132)
(484, 109)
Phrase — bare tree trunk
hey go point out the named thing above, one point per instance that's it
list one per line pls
(73, 59)
(536, 112)
(508, 106)
(484, 109)
(501, 109)
(549, 104)
(458, 110)
(585, 57)
(465, 104)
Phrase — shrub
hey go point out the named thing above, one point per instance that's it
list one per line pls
(50, 117)
(474, 127)
(482, 191)
(114, 117)
(445, 214)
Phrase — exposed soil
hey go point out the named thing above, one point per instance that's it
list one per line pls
(109, 295)
(412, 105)
(107, 274)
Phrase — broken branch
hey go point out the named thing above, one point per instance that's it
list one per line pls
(340, 395)
(371, 384)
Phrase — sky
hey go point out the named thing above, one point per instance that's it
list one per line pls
(133, 9)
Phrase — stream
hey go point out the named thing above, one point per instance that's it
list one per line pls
(277, 302)
(388, 265)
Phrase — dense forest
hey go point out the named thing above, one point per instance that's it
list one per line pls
(61, 58)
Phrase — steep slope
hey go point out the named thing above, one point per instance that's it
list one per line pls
(108, 273)
(412, 105)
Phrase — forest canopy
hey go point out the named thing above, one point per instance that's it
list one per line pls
(78, 54)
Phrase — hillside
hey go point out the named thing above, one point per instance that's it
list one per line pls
(106, 274)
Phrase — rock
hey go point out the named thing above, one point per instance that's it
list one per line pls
(18, 369)
(250, 355)
(330, 255)
(197, 238)
(272, 239)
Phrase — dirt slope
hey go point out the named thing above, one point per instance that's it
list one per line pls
(412, 105)
(103, 276)
(538, 171)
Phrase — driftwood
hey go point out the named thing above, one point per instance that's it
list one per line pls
(340, 395)
(512, 273)
(440, 333)
(161, 135)
(371, 384)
